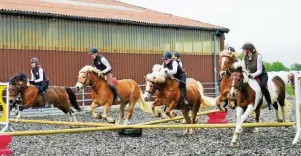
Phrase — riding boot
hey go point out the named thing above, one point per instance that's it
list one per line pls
(44, 96)
(183, 91)
(116, 95)
(267, 96)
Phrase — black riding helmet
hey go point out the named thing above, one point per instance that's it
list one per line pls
(231, 49)
(248, 46)
(166, 55)
(93, 50)
(176, 55)
(34, 60)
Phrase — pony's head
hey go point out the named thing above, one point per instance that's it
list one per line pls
(85, 77)
(226, 59)
(290, 78)
(17, 83)
(238, 78)
(150, 88)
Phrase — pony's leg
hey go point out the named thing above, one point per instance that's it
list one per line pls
(194, 113)
(185, 113)
(91, 110)
(121, 113)
(105, 113)
(257, 112)
(169, 109)
(218, 103)
(239, 112)
(283, 114)
(275, 104)
(240, 122)
(130, 112)
(19, 115)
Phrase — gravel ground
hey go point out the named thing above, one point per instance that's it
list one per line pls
(268, 141)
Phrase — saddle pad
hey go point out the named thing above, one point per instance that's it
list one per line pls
(114, 81)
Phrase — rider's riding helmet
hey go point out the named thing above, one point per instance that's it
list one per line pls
(34, 60)
(93, 50)
(166, 55)
(176, 55)
(231, 49)
(248, 46)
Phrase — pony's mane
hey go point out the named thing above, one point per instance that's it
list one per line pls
(18, 77)
(245, 73)
(89, 68)
(230, 54)
(158, 75)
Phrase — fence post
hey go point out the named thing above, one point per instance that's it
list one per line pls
(83, 97)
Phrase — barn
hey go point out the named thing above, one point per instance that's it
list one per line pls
(60, 33)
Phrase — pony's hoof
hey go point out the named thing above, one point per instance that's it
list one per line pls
(186, 132)
(256, 130)
(233, 144)
(110, 120)
(192, 131)
(279, 120)
(183, 121)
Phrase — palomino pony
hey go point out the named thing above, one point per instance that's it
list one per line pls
(61, 97)
(249, 97)
(102, 95)
(169, 93)
(226, 60)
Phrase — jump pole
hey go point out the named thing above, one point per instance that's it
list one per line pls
(232, 125)
(101, 124)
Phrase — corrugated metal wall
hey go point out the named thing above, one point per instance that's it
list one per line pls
(62, 45)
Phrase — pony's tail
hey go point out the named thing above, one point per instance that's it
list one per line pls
(72, 98)
(145, 107)
(200, 88)
(207, 101)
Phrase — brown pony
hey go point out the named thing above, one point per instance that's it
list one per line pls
(170, 95)
(249, 97)
(226, 60)
(61, 97)
(291, 79)
(102, 95)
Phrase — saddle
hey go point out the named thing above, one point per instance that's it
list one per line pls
(258, 80)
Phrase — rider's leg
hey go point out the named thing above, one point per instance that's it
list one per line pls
(265, 91)
(113, 88)
(182, 78)
(42, 89)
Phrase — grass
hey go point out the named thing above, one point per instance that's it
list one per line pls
(289, 89)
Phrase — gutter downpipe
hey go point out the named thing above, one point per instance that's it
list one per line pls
(214, 64)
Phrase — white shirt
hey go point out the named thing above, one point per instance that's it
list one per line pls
(259, 66)
(33, 78)
(174, 68)
(106, 63)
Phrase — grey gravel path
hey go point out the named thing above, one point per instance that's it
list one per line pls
(268, 141)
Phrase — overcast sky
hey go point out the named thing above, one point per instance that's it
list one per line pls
(274, 26)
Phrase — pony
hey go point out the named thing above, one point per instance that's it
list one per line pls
(170, 95)
(129, 91)
(226, 59)
(249, 97)
(291, 80)
(206, 101)
(20, 91)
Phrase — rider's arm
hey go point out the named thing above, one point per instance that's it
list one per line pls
(259, 66)
(41, 76)
(180, 63)
(174, 68)
(32, 76)
(107, 64)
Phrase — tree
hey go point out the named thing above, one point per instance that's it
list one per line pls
(278, 66)
(268, 66)
(241, 56)
(296, 66)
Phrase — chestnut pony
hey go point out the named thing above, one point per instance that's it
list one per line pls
(102, 95)
(249, 97)
(150, 90)
(61, 97)
(226, 60)
(170, 95)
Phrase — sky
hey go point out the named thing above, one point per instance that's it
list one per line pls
(274, 26)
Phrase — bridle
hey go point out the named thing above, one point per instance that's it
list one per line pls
(84, 83)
